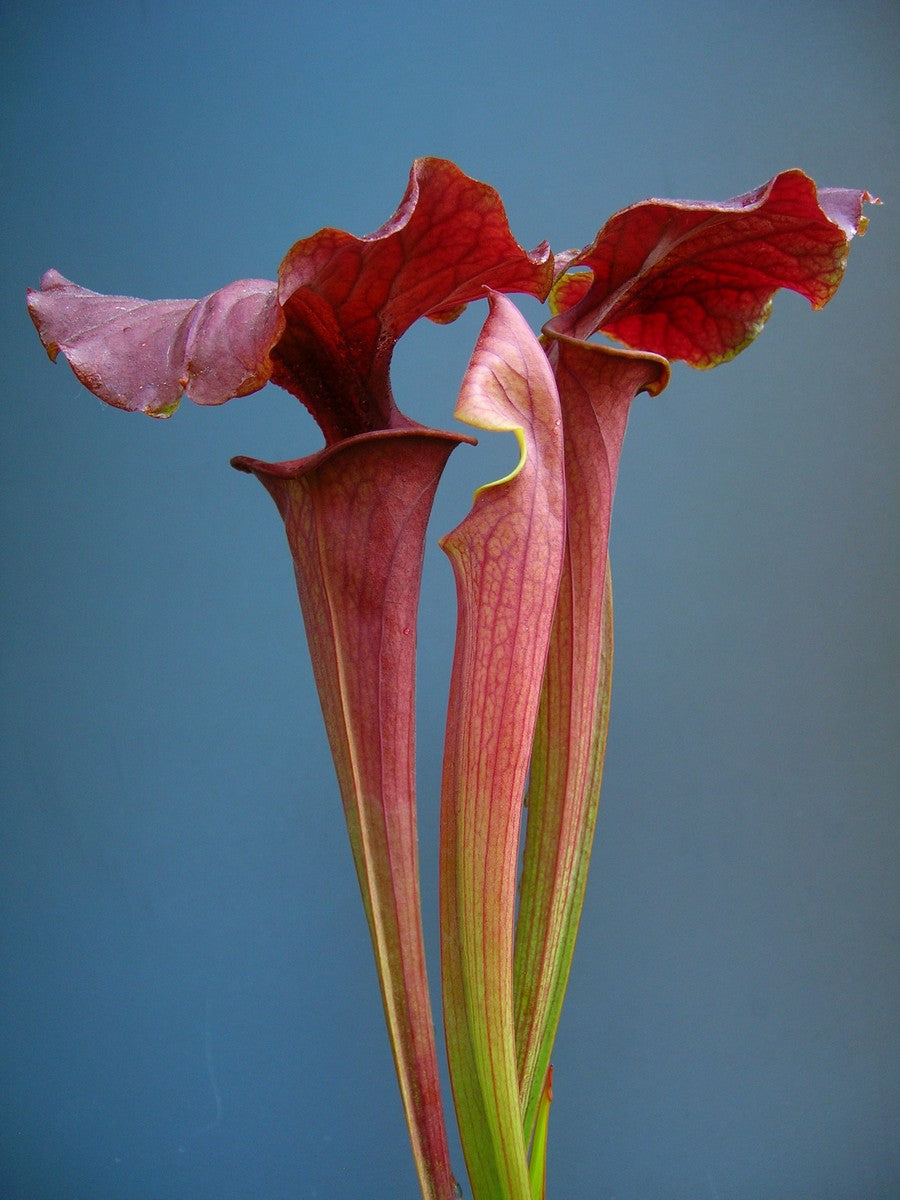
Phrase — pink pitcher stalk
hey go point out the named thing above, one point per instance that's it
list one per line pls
(355, 516)
(596, 386)
(685, 280)
(507, 559)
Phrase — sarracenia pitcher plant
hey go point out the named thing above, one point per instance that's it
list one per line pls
(528, 706)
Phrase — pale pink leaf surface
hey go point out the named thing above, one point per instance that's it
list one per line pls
(142, 355)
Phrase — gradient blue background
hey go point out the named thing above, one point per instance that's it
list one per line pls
(189, 1010)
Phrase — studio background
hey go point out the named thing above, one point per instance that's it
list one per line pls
(189, 1006)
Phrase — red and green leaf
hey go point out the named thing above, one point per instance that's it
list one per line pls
(596, 387)
(507, 558)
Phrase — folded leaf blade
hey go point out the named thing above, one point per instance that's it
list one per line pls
(142, 355)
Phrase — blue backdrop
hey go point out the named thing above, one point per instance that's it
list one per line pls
(189, 1009)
